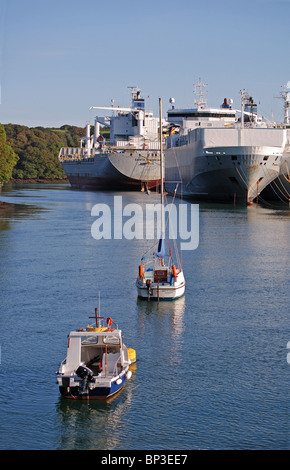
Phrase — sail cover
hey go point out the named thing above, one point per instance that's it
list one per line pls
(161, 247)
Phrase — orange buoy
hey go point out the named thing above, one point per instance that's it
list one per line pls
(109, 321)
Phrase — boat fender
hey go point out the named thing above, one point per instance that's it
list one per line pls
(129, 375)
(174, 271)
(141, 271)
(118, 381)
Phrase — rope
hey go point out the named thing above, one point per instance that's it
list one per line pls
(248, 186)
(288, 195)
(286, 178)
(270, 184)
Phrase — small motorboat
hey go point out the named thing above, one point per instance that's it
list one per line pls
(97, 362)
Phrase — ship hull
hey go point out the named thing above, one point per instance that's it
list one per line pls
(120, 170)
(210, 168)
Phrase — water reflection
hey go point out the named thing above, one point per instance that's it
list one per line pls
(175, 309)
(12, 212)
(94, 424)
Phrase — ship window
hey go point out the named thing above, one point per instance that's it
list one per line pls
(266, 158)
(234, 157)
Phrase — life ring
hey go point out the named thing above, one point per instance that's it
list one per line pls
(109, 321)
(100, 138)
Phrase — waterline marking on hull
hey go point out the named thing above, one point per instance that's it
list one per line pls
(133, 221)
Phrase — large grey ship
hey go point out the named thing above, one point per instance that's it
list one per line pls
(129, 160)
(221, 154)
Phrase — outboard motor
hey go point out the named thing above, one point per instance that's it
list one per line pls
(148, 284)
(85, 373)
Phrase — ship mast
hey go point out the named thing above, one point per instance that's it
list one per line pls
(161, 169)
(198, 90)
(286, 97)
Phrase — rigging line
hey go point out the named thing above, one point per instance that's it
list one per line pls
(282, 200)
(286, 178)
(178, 168)
(149, 249)
(286, 197)
(270, 184)
(278, 177)
(249, 186)
(176, 251)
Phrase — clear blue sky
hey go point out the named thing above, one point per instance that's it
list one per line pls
(58, 58)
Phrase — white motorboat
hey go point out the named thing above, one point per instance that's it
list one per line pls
(97, 362)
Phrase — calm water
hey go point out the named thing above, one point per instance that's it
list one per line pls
(211, 371)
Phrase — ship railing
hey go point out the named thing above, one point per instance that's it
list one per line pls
(75, 153)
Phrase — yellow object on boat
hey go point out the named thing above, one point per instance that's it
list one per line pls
(92, 328)
(132, 354)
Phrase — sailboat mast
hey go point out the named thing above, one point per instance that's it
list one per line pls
(161, 168)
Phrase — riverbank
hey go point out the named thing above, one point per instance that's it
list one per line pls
(39, 181)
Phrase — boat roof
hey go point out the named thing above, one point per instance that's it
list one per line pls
(96, 332)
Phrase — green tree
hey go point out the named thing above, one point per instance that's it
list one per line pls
(8, 158)
(38, 149)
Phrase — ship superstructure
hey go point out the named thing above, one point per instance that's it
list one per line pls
(129, 160)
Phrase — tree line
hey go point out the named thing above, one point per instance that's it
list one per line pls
(8, 157)
(37, 150)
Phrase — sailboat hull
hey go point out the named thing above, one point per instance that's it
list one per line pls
(165, 292)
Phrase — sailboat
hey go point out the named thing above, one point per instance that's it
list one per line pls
(162, 278)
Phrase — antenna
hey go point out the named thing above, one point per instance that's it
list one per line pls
(198, 90)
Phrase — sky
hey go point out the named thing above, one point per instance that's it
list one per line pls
(58, 58)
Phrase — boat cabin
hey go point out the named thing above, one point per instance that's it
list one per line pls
(97, 348)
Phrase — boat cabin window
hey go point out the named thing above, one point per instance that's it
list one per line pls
(197, 114)
(111, 340)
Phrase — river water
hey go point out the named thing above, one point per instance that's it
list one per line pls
(211, 371)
